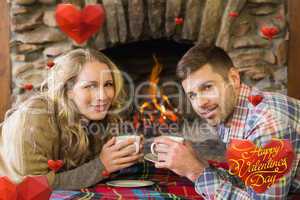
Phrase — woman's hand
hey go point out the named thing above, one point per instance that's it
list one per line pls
(118, 156)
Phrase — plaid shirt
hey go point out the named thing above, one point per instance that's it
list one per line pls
(276, 116)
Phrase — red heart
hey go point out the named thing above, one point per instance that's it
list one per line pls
(50, 64)
(233, 14)
(105, 173)
(217, 164)
(178, 20)
(34, 188)
(79, 25)
(28, 86)
(8, 190)
(55, 165)
(269, 31)
(259, 167)
(255, 99)
(31, 188)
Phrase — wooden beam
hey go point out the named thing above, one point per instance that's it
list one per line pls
(294, 49)
(5, 68)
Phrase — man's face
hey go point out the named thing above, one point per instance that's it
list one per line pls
(212, 97)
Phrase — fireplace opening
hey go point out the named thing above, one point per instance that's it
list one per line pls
(158, 105)
(136, 58)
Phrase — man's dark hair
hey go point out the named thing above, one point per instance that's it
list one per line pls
(198, 56)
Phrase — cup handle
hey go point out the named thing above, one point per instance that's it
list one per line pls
(137, 147)
(152, 147)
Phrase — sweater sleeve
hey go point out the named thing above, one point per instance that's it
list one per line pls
(34, 140)
(81, 177)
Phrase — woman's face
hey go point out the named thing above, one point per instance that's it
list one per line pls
(93, 91)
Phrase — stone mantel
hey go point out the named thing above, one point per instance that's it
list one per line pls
(232, 25)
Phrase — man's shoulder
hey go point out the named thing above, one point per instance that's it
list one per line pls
(275, 111)
(276, 103)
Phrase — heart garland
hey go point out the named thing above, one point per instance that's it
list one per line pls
(79, 25)
(31, 188)
(259, 167)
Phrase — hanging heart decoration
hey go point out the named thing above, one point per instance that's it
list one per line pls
(255, 99)
(79, 25)
(269, 31)
(27, 86)
(233, 14)
(179, 21)
(55, 165)
(50, 64)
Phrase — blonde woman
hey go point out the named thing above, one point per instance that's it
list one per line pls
(83, 87)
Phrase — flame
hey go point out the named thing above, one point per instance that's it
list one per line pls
(136, 120)
(143, 106)
(154, 78)
(171, 115)
(160, 105)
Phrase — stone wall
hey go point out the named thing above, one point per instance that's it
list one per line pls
(235, 25)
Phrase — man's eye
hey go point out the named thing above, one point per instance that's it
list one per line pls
(207, 88)
(192, 95)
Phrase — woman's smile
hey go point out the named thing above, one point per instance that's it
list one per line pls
(100, 107)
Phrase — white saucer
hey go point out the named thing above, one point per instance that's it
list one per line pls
(150, 157)
(129, 183)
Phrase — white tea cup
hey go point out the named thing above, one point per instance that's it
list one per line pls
(136, 138)
(175, 138)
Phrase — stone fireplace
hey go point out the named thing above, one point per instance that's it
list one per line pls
(135, 30)
(137, 61)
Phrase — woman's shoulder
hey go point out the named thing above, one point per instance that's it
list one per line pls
(36, 108)
(34, 117)
(37, 102)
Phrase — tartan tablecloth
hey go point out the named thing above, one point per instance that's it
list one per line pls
(167, 186)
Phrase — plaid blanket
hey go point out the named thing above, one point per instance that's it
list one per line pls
(167, 186)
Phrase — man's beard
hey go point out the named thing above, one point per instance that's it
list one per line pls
(226, 106)
(229, 103)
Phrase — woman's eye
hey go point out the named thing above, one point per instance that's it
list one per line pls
(90, 86)
(108, 84)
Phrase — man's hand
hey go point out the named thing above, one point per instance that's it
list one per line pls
(178, 157)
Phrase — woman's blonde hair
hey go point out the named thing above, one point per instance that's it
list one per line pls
(62, 77)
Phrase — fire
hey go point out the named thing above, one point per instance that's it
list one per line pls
(154, 78)
(158, 108)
